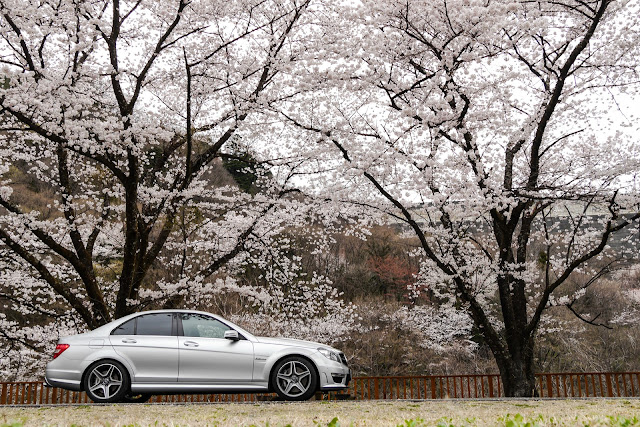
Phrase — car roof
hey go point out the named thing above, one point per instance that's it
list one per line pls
(106, 329)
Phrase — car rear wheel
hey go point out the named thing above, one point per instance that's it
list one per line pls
(106, 381)
(294, 378)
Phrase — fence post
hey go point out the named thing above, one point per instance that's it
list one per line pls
(3, 394)
(490, 377)
(573, 393)
(624, 384)
(539, 379)
(475, 385)
(376, 390)
(616, 377)
(607, 377)
(580, 378)
(549, 386)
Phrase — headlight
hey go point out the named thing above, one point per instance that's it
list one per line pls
(329, 354)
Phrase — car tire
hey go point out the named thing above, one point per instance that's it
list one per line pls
(294, 378)
(106, 381)
(136, 398)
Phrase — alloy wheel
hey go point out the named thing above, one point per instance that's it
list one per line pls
(105, 381)
(293, 379)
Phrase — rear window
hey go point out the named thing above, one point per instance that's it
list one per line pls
(127, 328)
(154, 324)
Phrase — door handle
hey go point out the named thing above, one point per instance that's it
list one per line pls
(191, 344)
(129, 340)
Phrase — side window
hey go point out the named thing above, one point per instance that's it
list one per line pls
(127, 328)
(154, 324)
(197, 325)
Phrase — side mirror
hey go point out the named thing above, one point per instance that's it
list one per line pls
(231, 335)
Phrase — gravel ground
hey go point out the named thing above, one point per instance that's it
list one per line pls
(616, 412)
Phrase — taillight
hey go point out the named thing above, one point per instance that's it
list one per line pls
(59, 349)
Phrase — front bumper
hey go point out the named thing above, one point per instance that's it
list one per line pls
(334, 377)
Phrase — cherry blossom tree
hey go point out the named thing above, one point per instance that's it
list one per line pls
(115, 116)
(499, 133)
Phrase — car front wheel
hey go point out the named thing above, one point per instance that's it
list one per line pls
(106, 381)
(294, 378)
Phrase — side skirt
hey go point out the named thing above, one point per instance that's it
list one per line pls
(156, 388)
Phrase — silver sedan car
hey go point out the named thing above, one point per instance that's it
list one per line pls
(184, 351)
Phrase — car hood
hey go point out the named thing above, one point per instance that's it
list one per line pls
(293, 342)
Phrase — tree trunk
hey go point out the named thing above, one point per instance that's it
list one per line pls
(518, 378)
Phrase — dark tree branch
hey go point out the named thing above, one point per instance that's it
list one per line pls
(584, 319)
(46, 275)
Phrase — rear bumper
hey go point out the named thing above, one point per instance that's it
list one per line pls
(58, 376)
(66, 384)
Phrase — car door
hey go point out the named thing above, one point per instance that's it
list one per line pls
(207, 357)
(150, 343)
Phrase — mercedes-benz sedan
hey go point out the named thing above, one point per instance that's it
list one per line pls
(183, 351)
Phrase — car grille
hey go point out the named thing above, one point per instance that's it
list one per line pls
(343, 358)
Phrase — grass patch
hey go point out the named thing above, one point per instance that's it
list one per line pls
(614, 413)
(13, 423)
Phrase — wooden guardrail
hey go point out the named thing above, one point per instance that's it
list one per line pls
(553, 385)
